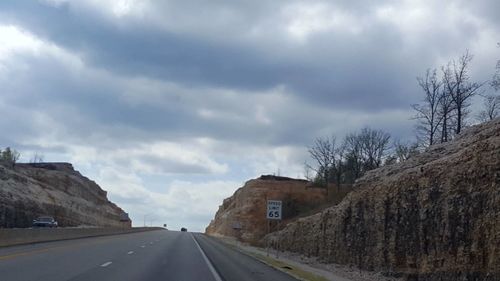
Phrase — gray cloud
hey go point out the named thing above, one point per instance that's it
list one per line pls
(369, 71)
(336, 69)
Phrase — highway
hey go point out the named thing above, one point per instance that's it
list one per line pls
(153, 255)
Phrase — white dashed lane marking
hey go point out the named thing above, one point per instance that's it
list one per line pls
(106, 264)
(131, 252)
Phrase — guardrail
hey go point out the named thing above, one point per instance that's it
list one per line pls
(18, 236)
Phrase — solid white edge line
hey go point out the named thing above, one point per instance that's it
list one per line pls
(210, 266)
(106, 264)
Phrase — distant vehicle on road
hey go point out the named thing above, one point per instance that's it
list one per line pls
(45, 222)
(184, 229)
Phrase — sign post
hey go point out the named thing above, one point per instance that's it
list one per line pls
(273, 213)
(273, 210)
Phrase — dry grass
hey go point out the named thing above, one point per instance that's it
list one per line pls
(294, 271)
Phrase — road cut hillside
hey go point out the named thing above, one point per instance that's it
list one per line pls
(434, 217)
(54, 189)
(243, 215)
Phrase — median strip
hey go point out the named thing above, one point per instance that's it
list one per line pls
(19, 236)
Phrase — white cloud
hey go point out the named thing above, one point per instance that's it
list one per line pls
(16, 41)
(306, 19)
(181, 203)
(113, 8)
(179, 154)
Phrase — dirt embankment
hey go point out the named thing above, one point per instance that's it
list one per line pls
(433, 217)
(243, 215)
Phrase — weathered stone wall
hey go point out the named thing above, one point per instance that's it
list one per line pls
(433, 217)
(247, 207)
(53, 189)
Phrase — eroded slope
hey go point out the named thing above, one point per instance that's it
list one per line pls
(433, 217)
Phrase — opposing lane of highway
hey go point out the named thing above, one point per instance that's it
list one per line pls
(155, 255)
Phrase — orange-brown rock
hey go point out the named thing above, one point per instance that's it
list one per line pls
(243, 215)
(433, 217)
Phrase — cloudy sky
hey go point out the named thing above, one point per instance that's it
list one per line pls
(171, 105)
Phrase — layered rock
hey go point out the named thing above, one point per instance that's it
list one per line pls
(54, 189)
(433, 217)
(243, 215)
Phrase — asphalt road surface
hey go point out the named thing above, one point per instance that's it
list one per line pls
(154, 255)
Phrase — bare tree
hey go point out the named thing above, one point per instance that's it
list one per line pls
(9, 156)
(390, 160)
(374, 145)
(358, 153)
(362, 152)
(339, 163)
(428, 112)
(323, 153)
(37, 158)
(308, 172)
(353, 158)
(446, 106)
(491, 103)
(491, 108)
(460, 88)
(495, 82)
(403, 151)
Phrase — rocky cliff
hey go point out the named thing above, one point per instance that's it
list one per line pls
(243, 215)
(54, 189)
(434, 217)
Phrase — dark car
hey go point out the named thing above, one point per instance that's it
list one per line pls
(184, 229)
(45, 222)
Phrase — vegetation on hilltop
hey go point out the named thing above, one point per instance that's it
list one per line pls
(9, 156)
(441, 115)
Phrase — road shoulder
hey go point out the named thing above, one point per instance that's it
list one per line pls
(302, 268)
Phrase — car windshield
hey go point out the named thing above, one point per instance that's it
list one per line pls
(313, 136)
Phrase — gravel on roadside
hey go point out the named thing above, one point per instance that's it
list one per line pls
(334, 272)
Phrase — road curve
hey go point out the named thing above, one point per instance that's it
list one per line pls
(154, 255)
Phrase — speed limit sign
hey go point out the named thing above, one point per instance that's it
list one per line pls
(274, 209)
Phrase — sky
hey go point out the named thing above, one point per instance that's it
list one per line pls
(170, 106)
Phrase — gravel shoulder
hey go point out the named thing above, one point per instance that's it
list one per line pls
(304, 268)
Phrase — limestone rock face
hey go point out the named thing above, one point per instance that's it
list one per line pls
(243, 215)
(54, 189)
(433, 217)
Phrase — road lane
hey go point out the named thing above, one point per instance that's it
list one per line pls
(233, 265)
(174, 258)
(154, 255)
